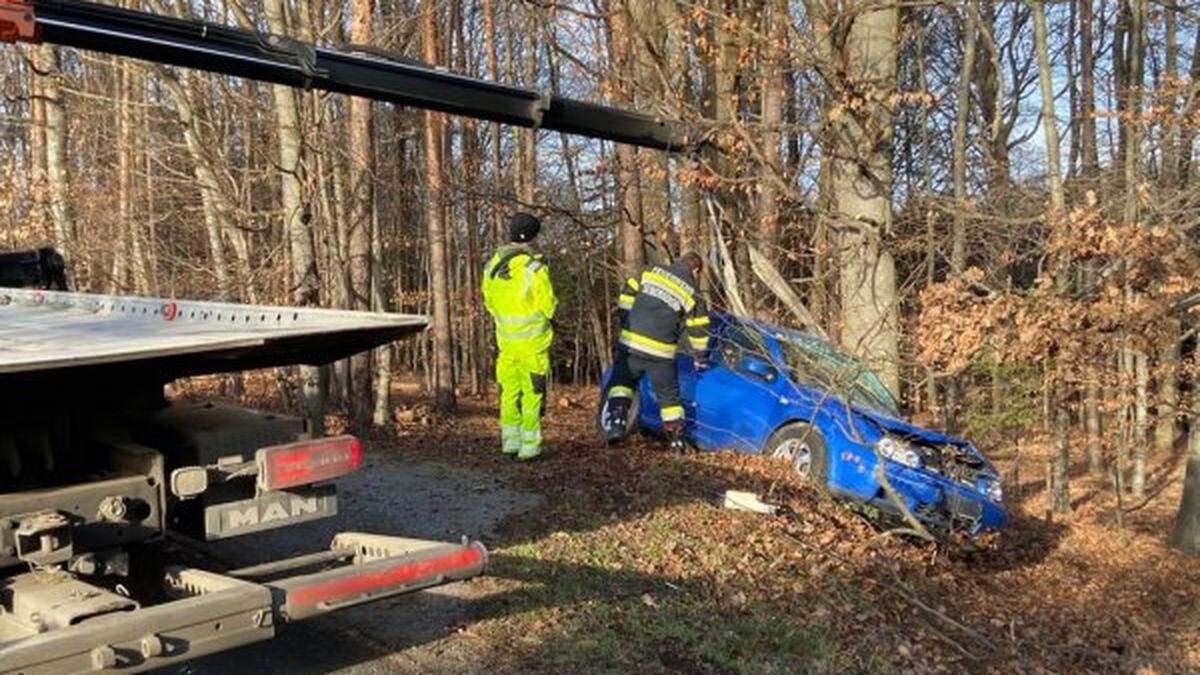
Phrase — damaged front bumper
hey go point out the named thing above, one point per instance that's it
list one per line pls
(941, 504)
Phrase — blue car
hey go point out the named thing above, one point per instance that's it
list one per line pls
(786, 394)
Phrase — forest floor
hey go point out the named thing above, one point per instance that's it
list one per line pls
(623, 562)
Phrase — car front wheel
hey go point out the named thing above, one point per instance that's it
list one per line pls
(803, 447)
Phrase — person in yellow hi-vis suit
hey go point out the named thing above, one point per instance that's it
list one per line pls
(518, 294)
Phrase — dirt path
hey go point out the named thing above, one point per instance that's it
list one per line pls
(389, 496)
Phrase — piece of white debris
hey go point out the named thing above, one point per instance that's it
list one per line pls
(748, 501)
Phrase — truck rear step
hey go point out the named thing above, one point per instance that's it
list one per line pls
(217, 612)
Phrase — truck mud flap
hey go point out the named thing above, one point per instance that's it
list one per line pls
(218, 612)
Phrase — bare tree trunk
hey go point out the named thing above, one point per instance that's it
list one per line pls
(777, 19)
(212, 199)
(439, 267)
(57, 180)
(958, 243)
(1062, 418)
(1186, 534)
(493, 61)
(296, 223)
(37, 146)
(1087, 111)
(630, 221)
(1135, 56)
(861, 182)
(124, 149)
(362, 217)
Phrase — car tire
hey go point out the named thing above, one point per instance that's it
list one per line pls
(631, 419)
(803, 446)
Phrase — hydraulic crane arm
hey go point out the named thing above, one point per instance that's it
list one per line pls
(271, 58)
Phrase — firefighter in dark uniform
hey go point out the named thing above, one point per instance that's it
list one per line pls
(655, 310)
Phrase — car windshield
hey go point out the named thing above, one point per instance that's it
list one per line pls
(815, 363)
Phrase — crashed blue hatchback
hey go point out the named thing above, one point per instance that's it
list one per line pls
(787, 394)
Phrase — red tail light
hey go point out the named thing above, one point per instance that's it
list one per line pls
(306, 462)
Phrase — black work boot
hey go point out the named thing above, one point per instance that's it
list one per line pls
(674, 431)
(615, 423)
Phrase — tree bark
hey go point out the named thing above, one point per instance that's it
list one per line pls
(958, 243)
(1186, 534)
(776, 18)
(1087, 93)
(361, 215)
(861, 182)
(57, 179)
(1062, 419)
(439, 269)
(630, 222)
(305, 284)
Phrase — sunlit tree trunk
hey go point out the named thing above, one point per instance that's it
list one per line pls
(439, 268)
(57, 181)
(1061, 417)
(1186, 534)
(861, 186)
(630, 221)
(361, 211)
(305, 285)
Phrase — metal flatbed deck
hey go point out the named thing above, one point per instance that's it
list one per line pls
(49, 331)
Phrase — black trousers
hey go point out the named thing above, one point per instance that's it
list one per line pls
(628, 370)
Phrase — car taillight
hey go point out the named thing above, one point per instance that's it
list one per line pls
(306, 462)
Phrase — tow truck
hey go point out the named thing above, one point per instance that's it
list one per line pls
(98, 466)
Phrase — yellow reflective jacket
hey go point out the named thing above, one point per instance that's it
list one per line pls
(518, 294)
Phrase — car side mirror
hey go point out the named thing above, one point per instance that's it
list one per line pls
(758, 367)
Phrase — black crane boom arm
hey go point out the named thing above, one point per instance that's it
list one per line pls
(242, 53)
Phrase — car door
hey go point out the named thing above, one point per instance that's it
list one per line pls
(734, 399)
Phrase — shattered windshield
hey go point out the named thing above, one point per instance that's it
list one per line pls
(816, 364)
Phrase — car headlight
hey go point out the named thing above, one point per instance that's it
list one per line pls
(898, 450)
(995, 491)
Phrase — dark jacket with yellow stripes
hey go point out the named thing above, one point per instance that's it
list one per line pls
(658, 307)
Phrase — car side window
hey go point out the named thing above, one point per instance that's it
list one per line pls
(736, 343)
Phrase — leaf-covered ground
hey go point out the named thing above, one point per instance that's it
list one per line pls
(630, 566)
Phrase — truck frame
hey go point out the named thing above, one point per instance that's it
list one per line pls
(98, 467)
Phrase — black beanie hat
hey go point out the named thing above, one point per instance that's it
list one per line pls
(523, 227)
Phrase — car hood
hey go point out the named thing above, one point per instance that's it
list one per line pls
(910, 430)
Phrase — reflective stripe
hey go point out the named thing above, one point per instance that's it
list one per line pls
(511, 434)
(647, 345)
(697, 321)
(672, 412)
(521, 327)
(671, 286)
(520, 320)
(620, 392)
(625, 302)
(532, 439)
(634, 283)
(698, 343)
(526, 334)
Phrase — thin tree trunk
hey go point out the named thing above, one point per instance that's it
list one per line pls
(439, 267)
(57, 180)
(305, 284)
(362, 217)
(1087, 76)
(630, 221)
(1186, 534)
(37, 146)
(958, 243)
(772, 167)
(1062, 418)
